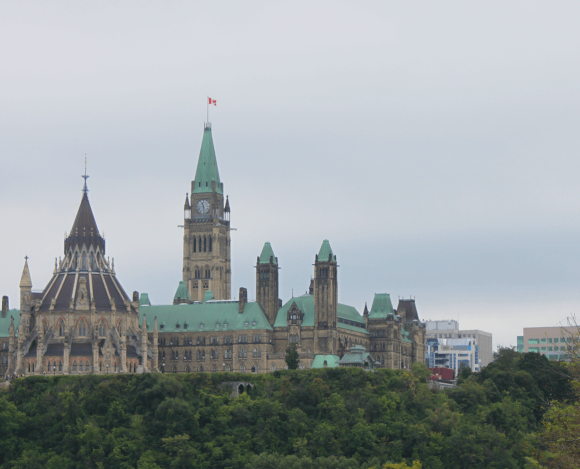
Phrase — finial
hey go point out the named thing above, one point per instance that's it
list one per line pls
(85, 176)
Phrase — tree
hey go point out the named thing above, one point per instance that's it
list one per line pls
(292, 359)
(562, 420)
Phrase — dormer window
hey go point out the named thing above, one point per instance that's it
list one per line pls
(246, 324)
(201, 326)
(185, 326)
(217, 325)
(177, 326)
(225, 325)
(161, 327)
(254, 323)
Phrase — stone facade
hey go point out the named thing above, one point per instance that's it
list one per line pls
(84, 322)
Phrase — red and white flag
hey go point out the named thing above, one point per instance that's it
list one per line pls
(212, 101)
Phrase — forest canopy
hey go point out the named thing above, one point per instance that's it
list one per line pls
(329, 418)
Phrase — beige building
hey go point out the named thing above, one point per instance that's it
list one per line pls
(84, 322)
(553, 342)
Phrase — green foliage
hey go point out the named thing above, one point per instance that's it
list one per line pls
(328, 418)
(292, 359)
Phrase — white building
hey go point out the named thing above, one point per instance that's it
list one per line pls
(449, 329)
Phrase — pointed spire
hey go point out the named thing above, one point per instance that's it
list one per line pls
(325, 252)
(366, 311)
(84, 229)
(227, 207)
(25, 280)
(186, 205)
(267, 254)
(181, 295)
(207, 169)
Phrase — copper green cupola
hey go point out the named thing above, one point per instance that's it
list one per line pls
(207, 170)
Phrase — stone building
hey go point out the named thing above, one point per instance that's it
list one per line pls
(84, 322)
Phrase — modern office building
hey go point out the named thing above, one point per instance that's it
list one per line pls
(550, 341)
(452, 353)
(449, 329)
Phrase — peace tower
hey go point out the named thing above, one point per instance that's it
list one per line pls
(206, 238)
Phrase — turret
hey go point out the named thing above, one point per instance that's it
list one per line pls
(25, 299)
(155, 346)
(366, 316)
(186, 208)
(326, 299)
(144, 344)
(267, 283)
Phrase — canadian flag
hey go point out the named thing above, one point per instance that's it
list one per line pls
(212, 101)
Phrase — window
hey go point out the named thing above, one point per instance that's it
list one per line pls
(102, 329)
(254, 323)
(217, 325)
(82, 328)
(549, 349)
(61, 329)
(543, 340)
(59, 366)
(549, 340)
(225, 325)
(534, 349)
(243, 368)
(74, 366)
(543, 349)
(556, 340)
(246, 324)
(533, 341)
(201, 327)
(210, 244)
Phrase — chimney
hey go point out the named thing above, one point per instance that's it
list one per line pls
(4, 306)
(243, 299)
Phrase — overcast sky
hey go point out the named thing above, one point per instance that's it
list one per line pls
(435, 144)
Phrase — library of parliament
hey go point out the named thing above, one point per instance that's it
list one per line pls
(83, 321)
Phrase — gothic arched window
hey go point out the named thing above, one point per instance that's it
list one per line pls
(102, 329)
(82, 328)
(210, 244)
(75, 366)
(194, 244)
(59, 366)
(204, 244)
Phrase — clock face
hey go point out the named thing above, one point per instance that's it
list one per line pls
(203, 206)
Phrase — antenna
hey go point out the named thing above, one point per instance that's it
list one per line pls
(85, 176)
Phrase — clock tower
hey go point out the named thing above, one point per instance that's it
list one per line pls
(206, 239)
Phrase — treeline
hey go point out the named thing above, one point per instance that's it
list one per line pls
(330, 418)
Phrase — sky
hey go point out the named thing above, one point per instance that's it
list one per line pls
(434, 144)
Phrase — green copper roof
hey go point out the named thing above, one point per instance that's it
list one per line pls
(144, 300)
(219, 316)
(208, 296)
(207, 169)
(325, 252)
(331, 361)
(306, 305)
(357, 356)
(182, 293)
(267, 252)
(5, 322)
(381, 306)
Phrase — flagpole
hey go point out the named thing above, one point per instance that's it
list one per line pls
(207, 109)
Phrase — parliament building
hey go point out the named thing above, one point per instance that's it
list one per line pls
(83, 321)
